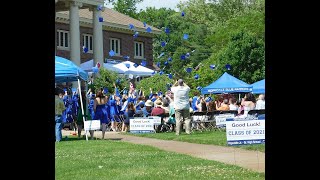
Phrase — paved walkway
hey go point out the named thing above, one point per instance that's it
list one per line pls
(253, 160)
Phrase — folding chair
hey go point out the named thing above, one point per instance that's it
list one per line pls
(197, 120)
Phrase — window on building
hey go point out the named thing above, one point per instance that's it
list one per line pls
(115, 46)
(63, 40)
(87, 41)
(138, 50)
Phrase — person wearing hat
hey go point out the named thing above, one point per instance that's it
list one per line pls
(181, 105)
(59, 108)
(157, 110)
(147, 109)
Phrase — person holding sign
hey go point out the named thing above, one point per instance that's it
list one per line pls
(181, 105)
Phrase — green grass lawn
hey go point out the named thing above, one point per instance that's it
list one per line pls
(206, 137)
(109, 159)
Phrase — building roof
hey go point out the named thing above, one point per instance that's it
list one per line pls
(112, 17)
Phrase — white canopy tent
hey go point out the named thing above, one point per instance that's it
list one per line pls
(120, 68)
(136, 71)
(88, 65)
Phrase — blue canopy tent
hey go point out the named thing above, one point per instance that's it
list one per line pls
(67, 71)
(227, 84)
(258, 87)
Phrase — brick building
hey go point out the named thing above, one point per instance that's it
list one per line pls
(75, 27)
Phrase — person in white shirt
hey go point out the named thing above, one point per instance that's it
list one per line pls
(233, 104)
(181, 105)
(260, 103)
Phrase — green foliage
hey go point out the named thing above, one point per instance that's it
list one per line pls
(127, 7)
(155, 82)
(106, 79)
(212, 26)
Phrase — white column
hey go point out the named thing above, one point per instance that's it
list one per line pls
(75, 32)
(97, 37)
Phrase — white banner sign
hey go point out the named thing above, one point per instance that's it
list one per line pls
(156, 120)
(245, 132)
(141, 125)
(221, 119)
(92, 125)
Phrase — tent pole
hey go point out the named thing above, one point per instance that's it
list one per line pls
(83, 118)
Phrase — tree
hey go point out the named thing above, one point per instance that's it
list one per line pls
(127, 7)
(155, 82)
(106, 79)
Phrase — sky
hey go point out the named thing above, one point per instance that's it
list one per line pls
(157, 4)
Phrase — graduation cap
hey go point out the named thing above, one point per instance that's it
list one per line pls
(144, 63)
(158, 64)
(182, 57)
(100, 19)
(212, 66)
(153, 72)
(196, 76)
(182, 13)
(169, 59)
(163, 44)
(189, 69)
(166, 63)
(99, 8)
(161, 72)
(126, 57)
(85, 49)
(131, 26)
(199, 88)
(95, 70)
(188, 55)
(74, 90)
(167, 30)
(64, 89)
(228, 66)
(136, 65)
(127, 65)
(144, 24)
(170, 76)
(118, 81)
(185, 36)
(161, 55)
(111, 53)
(135, 35)
(148, 29)
(105, 90)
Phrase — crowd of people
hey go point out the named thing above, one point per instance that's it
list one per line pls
(112, 109)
